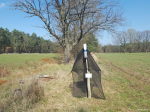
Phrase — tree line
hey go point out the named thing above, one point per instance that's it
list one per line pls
(21, 42)
(124, 41)
(129, 41)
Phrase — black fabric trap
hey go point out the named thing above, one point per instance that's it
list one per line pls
(80, 82)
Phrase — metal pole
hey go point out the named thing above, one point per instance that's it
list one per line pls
(88, 83)
(88, 79)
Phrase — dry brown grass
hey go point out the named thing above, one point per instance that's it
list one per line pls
(58, 94)
(23, 89)
(21, 94)
(4, 72)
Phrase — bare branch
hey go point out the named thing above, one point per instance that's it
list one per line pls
(70, 20)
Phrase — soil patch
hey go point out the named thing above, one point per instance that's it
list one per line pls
(48, 60)
(35, 71)
(58, 60)
(2, 81)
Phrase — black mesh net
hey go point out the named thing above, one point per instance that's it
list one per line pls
(79, 80)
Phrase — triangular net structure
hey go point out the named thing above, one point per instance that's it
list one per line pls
(80, 82)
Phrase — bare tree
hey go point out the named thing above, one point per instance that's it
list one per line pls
(131, 33)
(138, 40)
(60, 16)
(100, 50)
(120, 39)
(146, 39)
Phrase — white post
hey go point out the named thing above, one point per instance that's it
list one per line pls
(87, 75)
(85, 50)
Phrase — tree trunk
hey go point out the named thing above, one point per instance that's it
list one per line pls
(14, 49)
(146, 51)
(67, 54)
(124, 50)
(4, 49)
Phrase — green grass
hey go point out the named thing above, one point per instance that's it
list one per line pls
(133, 61)
(129, 73)
(24, 60)
(19, 58)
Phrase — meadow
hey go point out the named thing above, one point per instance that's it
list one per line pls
(15, 59)
(125, 82)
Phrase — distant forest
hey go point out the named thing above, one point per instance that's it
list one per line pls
(129, 41)
(21, 42)
(124, 41)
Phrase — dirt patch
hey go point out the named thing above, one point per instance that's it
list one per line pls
(2, 81)
(4, 72)
(35, 71)
(48, 60)
(58, 60)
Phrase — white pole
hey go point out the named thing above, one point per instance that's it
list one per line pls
(88, 78)
(85, 50)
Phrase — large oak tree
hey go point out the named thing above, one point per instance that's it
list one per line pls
(70, 20)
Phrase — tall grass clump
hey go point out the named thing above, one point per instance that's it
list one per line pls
(21, 94)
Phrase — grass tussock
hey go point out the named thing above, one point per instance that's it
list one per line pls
(19, 95)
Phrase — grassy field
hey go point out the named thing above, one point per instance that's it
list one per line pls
(14, 61)
(128, 76)
(22, 58)
(125, 82)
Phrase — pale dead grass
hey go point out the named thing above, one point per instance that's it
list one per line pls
(21, 89)
(19, 94)
(59, 97)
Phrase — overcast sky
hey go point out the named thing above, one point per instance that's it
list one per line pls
(137, 13)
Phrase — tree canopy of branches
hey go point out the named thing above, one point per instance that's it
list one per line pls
(132, 40)
(70, 20)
